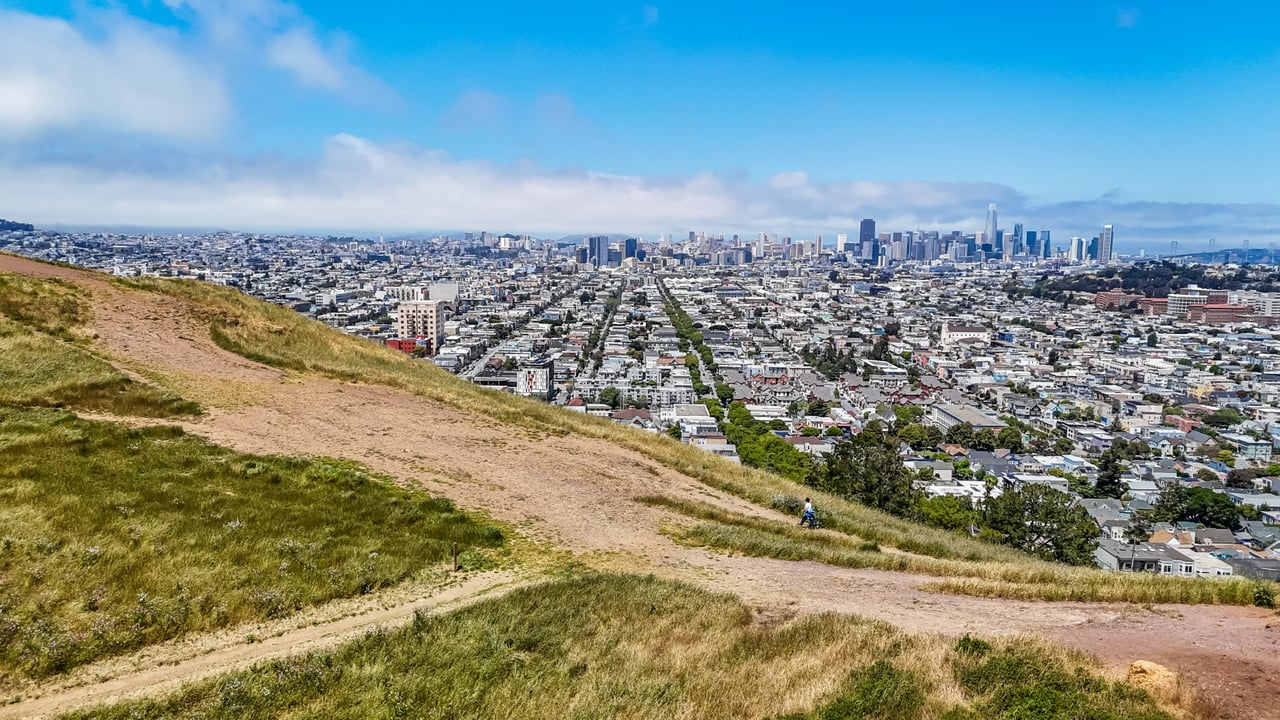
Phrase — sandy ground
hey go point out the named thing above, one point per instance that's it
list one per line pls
(579, 494)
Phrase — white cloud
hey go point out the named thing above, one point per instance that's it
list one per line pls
(300, 53)
(104, 72)
(134, 78)
(282, 36)
(358, 185)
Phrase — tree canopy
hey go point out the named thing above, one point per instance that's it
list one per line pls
(867, 469)
(1044, 522)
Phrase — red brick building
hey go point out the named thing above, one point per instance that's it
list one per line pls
(1217, 313)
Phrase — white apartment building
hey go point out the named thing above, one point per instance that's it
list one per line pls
(1266, 304)
(1180, 303)
(953, 333)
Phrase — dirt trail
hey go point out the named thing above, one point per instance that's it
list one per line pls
(579, 494)
(167, 668)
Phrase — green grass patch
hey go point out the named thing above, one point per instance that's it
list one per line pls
(45, 360)
(38, 370)
(49, 306)
(1030, 681)
(601, 646)
(113, 538)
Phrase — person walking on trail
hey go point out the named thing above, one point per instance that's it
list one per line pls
(808, 513)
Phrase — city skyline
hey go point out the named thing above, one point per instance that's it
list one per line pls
(640, 119)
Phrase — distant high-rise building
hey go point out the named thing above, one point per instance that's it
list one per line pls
(598, 250)
(992, 226)
(841, 241)
(1045, 250)
(867, 232)
(1077, 251)
(1105, 249)
(629, 248)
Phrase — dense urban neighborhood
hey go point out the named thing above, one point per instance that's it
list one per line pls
(1117, 411)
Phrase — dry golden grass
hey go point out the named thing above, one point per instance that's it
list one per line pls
(760, 537)
(624, 646)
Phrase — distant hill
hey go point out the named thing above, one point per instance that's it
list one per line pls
(10, 225)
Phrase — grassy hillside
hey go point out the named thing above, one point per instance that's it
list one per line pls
(277, 336)
(113, 538)
(46, 359)
(734, 532)
(633, 647)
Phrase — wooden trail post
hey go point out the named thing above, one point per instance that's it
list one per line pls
(455, 557)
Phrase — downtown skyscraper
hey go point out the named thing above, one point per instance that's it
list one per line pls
(992, 226)
(1105, 250)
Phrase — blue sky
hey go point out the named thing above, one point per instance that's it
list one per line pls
(1162, 118)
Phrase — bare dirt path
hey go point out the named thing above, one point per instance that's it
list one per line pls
(578, 494)
(166, 668)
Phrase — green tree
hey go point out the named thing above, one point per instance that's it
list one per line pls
(1010, 438)
(960, 434)
(725, 393)
(946, 512)
(1224, 418)
(1042, 521)
(867, 469)
(920, 437)
(1241, 479)
(880, 350)
(818, 408)
(1207, 475)
(984, 439)
(908, 414)
(1205, 506)
(1178, 503)
(1110, 470)
(674, 432)
(1152, 339)
(610, 396)
(714, 409)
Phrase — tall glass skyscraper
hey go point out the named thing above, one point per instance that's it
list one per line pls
(1104, 245)
(991, 226)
